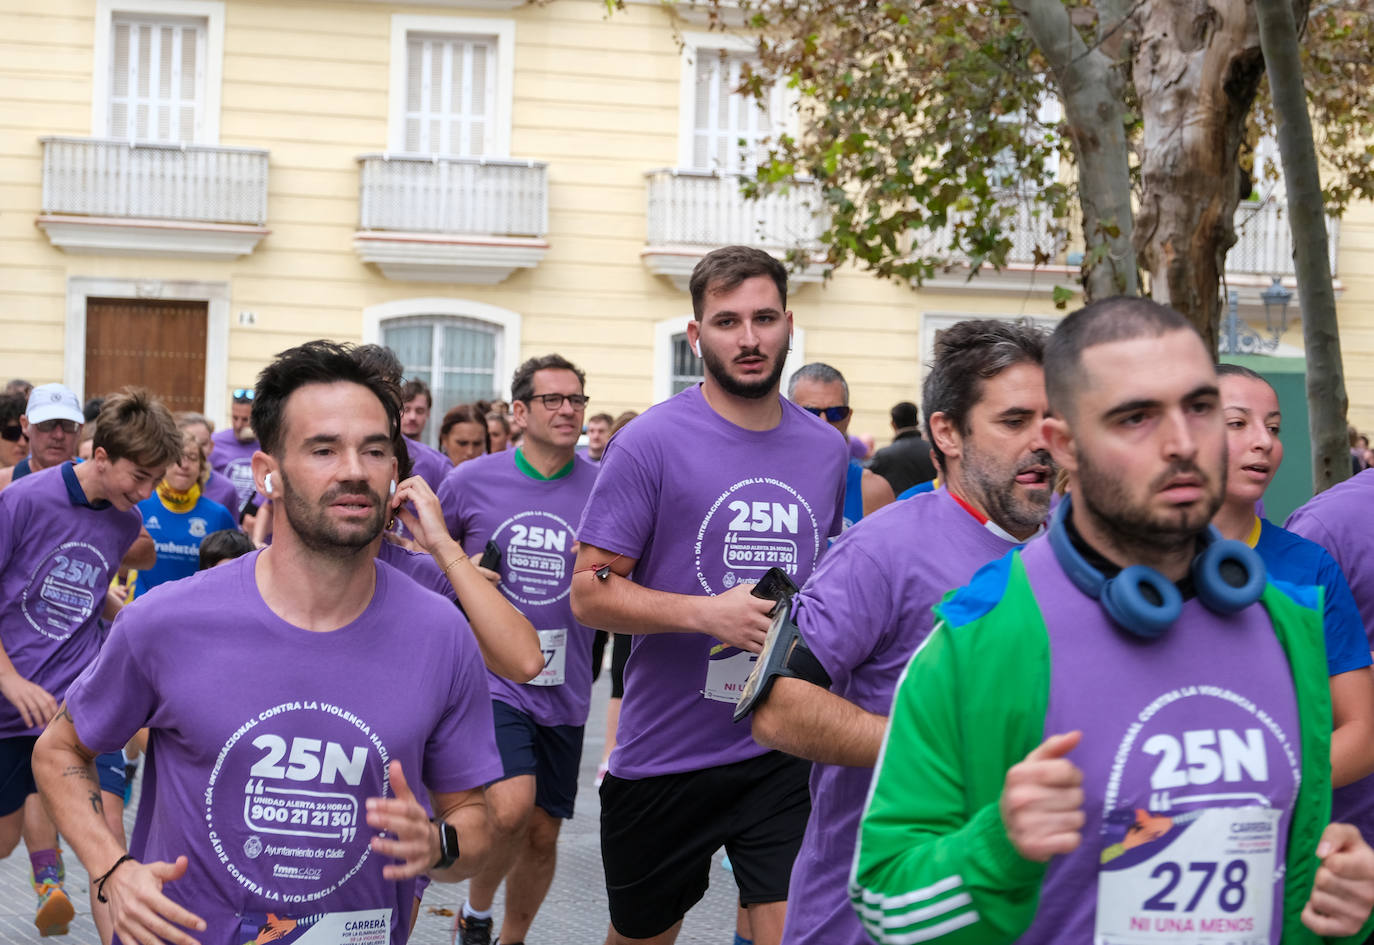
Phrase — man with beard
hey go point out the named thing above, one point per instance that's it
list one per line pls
(1120, 733)
(868, 606)
(286, 732)
(699, 497)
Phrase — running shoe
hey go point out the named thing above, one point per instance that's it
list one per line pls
(54, 910)
(468, 930)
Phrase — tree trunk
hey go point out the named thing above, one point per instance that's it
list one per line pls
(1326, 397)
(1196, 70)
(1090, 85)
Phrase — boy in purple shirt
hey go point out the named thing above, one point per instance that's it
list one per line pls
(527, 501)
(63, 532)
(868, 606)
(285, 734)
(699, 497)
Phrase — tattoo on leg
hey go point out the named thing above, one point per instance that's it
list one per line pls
(96, 804)
(62, 713)
(79, 771)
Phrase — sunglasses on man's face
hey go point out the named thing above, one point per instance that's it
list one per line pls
(833, 414)
(47, 426)
(12, 434)
(243, 395)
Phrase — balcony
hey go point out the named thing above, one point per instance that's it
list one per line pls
(1264, 241)
(694, 212)
(451, 219)
(129, 199)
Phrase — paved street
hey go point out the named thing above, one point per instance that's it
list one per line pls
(574, 914)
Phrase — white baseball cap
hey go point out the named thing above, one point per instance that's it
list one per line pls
(54, 402)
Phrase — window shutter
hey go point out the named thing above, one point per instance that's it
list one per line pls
(450, 87)
(156, 83)
(724, 117)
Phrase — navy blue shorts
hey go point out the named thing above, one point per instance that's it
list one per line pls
(110, 767)
(552, 753)
(16, 772)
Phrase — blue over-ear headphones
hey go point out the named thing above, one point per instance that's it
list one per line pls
(1228, 576)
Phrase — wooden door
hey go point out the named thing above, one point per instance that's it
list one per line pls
(154, 343)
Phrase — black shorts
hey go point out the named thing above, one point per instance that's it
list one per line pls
(658, 836)
(16, 772)
(552, 753)
(620, 655)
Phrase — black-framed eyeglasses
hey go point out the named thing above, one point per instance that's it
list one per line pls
(12, 434)
(243, 395)
(833, 414)
(47, 426)
(554, 401)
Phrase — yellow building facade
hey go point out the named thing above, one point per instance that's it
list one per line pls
(189, 186)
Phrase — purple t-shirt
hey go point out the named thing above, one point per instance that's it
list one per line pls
(420, 568)
(234, 460)
(532, 522)
(704, 505)
(267, 739)
(220, 488)
(1338, 520)
(863, 613)
(1190, 759)
(428, 463)
(57, 556)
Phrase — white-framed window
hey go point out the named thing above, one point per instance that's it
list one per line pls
(157, 70)
(676, 366)
(451, 85)
(720, 128)
(463, 350)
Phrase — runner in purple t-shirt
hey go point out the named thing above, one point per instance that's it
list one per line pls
(63, 532)
(1121, 733)
(526, 502)
(288, 735)
(868, 606)
(699, 497)
(232, 456)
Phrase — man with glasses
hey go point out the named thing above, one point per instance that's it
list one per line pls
(217, 486)
(527, 501)
(821, 390)
(52, 422)
(14, 442)
(233, 451)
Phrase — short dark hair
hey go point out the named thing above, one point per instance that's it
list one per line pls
(601, 418)
(12, 407)
(135, 425)
(967, 354)
(321, 362)
(819, 372)
(522, 382)
(905, 415)
(465, 413)
(414, 388)
(721, 270)
(223, 545)
(1119, 318)
(91, 408)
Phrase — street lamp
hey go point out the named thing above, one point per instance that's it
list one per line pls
(1276, 299)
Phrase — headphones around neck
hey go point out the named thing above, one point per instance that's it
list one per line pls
(1228, 576)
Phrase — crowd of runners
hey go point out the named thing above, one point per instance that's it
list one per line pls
(1039, 672)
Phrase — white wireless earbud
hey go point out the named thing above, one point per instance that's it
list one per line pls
(267, 483)
(789, 341)
(696, 347)
(393, 487)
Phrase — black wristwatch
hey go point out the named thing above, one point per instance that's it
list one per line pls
(448, 844)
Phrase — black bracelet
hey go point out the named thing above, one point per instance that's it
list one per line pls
(100, 883)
